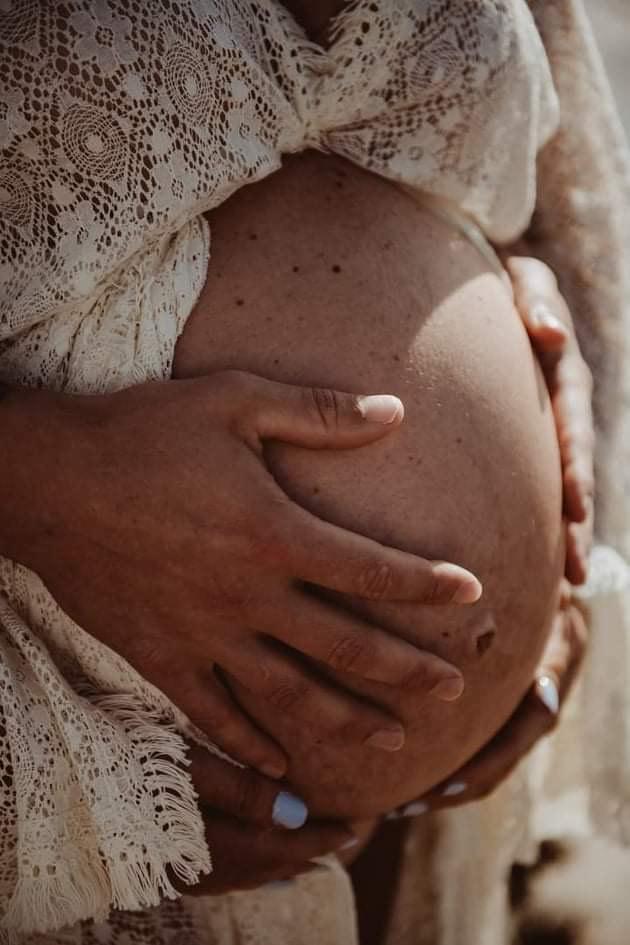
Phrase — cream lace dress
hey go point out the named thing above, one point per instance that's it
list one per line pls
(120, 124)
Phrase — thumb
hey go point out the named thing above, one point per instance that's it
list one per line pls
(320, 417)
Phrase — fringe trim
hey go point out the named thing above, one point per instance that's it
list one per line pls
(182, 848)
(77, 890)
(88, 884)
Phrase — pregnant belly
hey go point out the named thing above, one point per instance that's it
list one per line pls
(325, 275)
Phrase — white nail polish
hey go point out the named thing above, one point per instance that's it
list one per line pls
(540, 315)
(548, 693)
(415, 809)
(454, 788)
(380, 408)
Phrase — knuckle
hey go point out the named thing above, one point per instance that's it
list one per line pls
(212, 719)
(417, 677)
(286, 695)
(239, 381)
(376, 581)
(269, 540)
(207, 710)
(232, 387)
(347, 654)
(436, 590)
(247, 796)
(325, 403)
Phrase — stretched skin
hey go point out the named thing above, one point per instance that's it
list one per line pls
(325, 275)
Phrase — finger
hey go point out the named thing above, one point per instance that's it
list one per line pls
(245, 857)
(328, 556)
(534, 280)
(579, 485)
(565, 648)
(314, 417)
(243, 793)
(579, 537)
(541, 306)
(571, 400)
(546, 332)
(535, 717)
(211, 708)
(282, 849)
(347, 644)
(310, 701)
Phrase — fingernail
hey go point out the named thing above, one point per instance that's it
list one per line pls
(550, 321)
(415, 809)
(271, 770)
(448, 689)
(453, 789)
(540, 314)
(468, 592)
(387, 739)
(547, 692)
(289, 811)
(348, 844)
(380, 408)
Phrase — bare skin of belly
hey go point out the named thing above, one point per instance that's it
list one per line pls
(325, 275)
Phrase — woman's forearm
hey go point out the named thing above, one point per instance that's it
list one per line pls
(37, 466)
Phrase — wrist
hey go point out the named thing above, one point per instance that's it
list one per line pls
(44, 438)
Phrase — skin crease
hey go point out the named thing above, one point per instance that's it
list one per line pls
(472, 475)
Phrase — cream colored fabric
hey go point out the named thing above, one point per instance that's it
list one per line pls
(102, 254)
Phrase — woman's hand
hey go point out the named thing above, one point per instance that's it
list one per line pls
(257, 832)
(550, 328)
(167, 538)
(536, 716)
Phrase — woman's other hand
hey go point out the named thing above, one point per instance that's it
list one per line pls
(550, 328)
(167, 538)
(536, 716)
(257, 832)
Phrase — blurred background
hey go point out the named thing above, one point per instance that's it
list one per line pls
(611, 20)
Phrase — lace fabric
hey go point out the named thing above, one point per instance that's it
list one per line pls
(119, 127)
